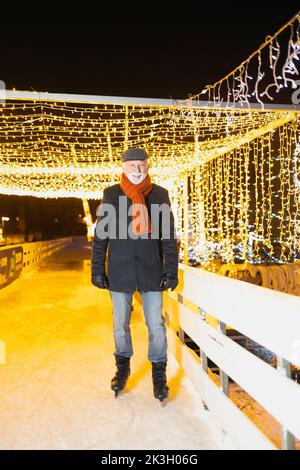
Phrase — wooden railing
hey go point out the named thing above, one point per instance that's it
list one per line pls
(20, 258)
(36, 251)
(203, 307)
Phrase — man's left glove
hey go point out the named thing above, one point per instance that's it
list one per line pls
(168, 281)
(100, 280)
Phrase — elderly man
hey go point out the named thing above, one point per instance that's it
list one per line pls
(142, 256)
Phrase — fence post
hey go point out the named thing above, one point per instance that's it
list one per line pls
(223, 375)
(202, 315)
(287, 438)
(180, 330)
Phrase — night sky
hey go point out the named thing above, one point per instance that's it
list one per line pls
(146, 52)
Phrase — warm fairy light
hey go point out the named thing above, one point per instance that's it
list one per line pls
(273, 67)
(247, 200)
(72, 150)
(245, 193)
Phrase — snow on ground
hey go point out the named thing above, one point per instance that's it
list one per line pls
(55, 386)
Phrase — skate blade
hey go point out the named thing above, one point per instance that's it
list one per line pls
(117, 392)
(162, 401)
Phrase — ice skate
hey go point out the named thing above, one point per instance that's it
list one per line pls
(160, 388)
(118, 382)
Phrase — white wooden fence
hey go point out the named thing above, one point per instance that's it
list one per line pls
(36, 251)
(27, 256)
(268, 317)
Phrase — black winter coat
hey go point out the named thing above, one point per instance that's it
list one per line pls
(135, 264)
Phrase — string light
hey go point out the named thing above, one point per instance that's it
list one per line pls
(273, 67)
(63, 150)
(249, 189)
(242, 165)
(251, 199)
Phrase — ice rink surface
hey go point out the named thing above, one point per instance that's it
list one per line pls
(55, 386)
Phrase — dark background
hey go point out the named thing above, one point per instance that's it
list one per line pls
(148, 51)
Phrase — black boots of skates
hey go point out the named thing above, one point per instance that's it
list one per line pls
(160, 388)
(118, 382)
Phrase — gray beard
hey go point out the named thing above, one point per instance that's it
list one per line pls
(130, 177)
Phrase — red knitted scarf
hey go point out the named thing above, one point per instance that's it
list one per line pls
(136, 192)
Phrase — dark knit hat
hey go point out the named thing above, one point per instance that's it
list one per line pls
(134, 153)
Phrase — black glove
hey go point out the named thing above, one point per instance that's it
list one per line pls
(100, 280)
(168, 280)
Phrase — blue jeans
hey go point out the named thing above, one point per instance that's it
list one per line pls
(155, 321)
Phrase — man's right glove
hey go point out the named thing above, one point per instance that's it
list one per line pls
(168, 281)
(100, 280)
